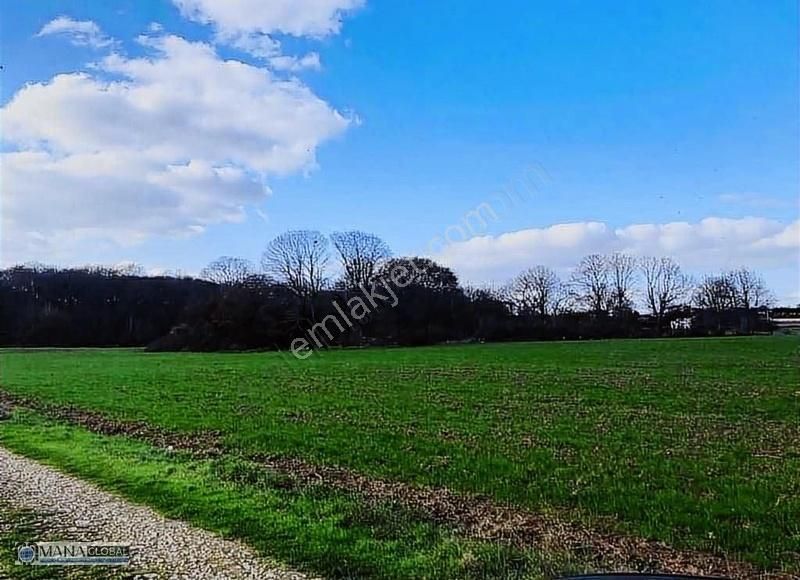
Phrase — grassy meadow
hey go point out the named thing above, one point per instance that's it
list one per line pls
(693, 442)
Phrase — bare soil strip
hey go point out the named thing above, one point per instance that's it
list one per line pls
(161, 547)
(472, 516)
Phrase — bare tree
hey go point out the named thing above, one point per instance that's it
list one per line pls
(360, 254)
(298, 259)
(622, 278)
(742, 288)
(130, 269)
(489, 293)
(124, 269)
(590, 284)
(665, 286)
(227, 271)
(749, 289)
(716, 293)
(537, 290)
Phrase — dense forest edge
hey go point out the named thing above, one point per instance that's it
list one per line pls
(293, 302)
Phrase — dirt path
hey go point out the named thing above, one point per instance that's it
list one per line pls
(161, 547)
(472, 516)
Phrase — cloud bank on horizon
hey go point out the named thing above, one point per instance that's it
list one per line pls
(166, 144)
(711, 245)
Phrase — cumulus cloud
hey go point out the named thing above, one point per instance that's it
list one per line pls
(710, 245)
(164, 144)
(250, 25)
(79, 32)
(316, 18)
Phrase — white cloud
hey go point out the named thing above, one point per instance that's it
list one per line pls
(250, 25)
(293, 63)
(80, 32)
(315, 18)
(172, 143)
(710, 245)
(261, 46)
(266, 48)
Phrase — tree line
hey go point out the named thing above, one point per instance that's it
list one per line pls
(306, 280)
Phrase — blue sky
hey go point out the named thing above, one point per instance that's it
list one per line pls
(644, 115)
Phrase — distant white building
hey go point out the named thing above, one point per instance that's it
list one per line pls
(684, 323)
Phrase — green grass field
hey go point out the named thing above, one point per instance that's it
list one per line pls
(693, 442)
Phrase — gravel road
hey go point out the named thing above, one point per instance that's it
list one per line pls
(161, 547)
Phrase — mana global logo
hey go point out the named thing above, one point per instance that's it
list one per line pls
(74, 553)
(26, 554)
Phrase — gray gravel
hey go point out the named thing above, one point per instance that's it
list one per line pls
(161, 547)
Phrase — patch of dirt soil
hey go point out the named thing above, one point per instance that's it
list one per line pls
(198, 443)
(470, 515)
